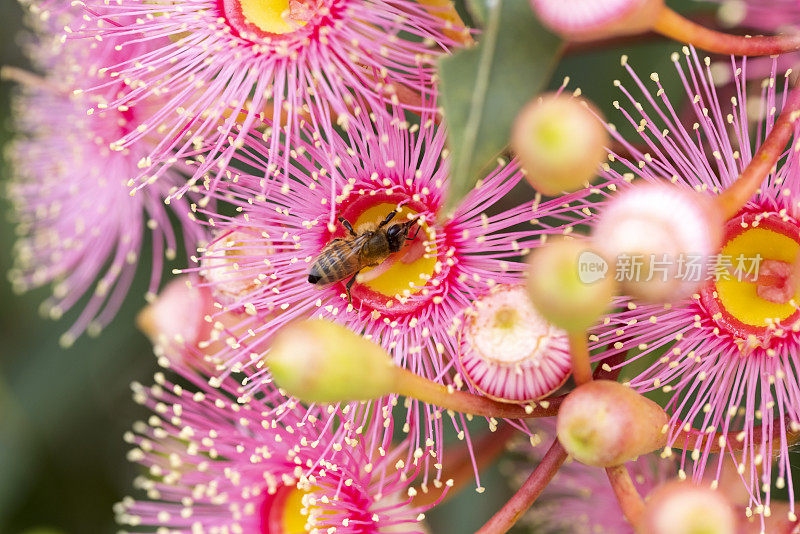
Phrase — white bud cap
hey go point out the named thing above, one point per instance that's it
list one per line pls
(581, 20)
(659, 238)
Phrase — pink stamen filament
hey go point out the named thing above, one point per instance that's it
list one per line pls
(27, 78)
(505, 518)
(446, 10)
(461, 468)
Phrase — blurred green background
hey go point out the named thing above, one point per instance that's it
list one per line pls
(63, 412)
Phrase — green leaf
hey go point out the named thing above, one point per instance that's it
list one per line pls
(477, 8)
(483, 88)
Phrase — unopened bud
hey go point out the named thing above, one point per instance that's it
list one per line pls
(176, 316)
(321, 361)
(661, 238)
(685, 508)
(569, 284)
(604, 423)
(509, 352)
(560, 141)
(583, 20)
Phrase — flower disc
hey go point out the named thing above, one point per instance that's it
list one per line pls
(752, 297)
(509, 352)
(257, 19)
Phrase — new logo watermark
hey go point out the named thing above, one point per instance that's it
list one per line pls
(591, 267)
(643, 268)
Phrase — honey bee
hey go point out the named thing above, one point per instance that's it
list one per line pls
(345, 257)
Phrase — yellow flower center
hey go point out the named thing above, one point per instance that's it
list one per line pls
(740, 297)
(271, 16)
(266, 19)
(295, 515)
(753, 297)
(289, 512)
(409, 269)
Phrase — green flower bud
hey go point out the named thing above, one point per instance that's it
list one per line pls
(569, 284)
(320, 361)
(560, 141)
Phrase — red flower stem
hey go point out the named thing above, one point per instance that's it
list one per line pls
(417, 387)
(579, 353)
(732, 199)
(628, 496)
(519, 503)
(459, 466)
(412, 385)
(505, 518)
(672, 25)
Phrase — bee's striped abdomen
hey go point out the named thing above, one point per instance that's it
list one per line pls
(337, 261)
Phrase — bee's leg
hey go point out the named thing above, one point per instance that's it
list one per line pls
(388, 218)
(347, 225)
(415, 234)
(348, 286)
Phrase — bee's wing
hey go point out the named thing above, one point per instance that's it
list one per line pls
(340, 259)
(349, 254)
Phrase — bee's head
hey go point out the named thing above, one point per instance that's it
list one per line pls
(397, 234)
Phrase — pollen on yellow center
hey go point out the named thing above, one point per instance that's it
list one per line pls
(271, 16)
(294, 519)
(740, 298)
(401, 276)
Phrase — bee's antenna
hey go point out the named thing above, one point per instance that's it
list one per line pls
(411, 223)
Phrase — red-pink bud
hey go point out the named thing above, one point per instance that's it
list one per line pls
(177, 317)
(604, 423)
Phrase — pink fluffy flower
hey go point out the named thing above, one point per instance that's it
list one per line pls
(79, 226)
(728, 354)
(755, 17)
(226, 460)
(223, 65)
(411, 302)
(765, 15)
